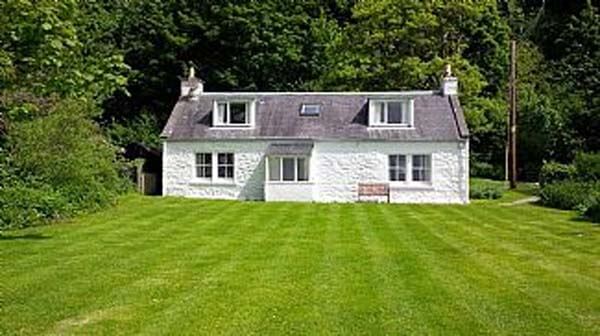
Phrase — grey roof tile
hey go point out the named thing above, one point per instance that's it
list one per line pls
(343, 116)
(296, 148)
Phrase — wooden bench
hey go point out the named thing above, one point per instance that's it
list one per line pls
(371, 191)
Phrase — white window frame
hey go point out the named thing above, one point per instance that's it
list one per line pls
(398, 168)
(214, 179)
(304, 113)
(428, 168)
(225, 165)
(203, 165)
(408, 113)
(250, 112)
(409, 171)
(280, 159)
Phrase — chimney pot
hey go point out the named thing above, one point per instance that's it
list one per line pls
(192, 87)
(449, 82)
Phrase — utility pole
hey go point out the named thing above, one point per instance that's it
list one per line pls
(512, 119)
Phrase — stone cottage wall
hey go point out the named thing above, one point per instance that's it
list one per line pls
(336, 168)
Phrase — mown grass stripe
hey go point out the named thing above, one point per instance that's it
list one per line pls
(433, 296)
(506, 274)
(171, 265)
(213, 295)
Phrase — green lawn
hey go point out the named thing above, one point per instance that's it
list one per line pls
(154, 266)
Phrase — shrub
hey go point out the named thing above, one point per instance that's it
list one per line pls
(485, 170)
(592, 210)
(482, 189)
(587, 166)
(22, 206)
(143, 129)
(58, 164)
(552, 172)
(568, 195)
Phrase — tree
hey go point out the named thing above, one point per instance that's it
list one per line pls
(580, 69)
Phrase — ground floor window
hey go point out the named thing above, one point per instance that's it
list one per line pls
(397, 165)
(225, 165)
(420, 167)
(204, 165)
(205, 169)
(288, 169)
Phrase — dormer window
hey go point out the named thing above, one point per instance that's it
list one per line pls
(310, 110)
(391, 112)
(233, 113)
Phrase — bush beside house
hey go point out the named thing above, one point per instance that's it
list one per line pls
(486, 189)
(57, 165)
(573, 187)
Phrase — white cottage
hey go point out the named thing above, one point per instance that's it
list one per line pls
(401, 147)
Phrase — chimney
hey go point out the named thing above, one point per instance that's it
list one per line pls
(449, 83)
(192, 87)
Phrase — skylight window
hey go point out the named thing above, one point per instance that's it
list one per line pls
(310, 110)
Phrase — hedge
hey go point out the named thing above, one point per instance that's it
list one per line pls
(485, 189)
(552, 172)
(569, 195)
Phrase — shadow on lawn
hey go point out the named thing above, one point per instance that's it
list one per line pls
(28, 236)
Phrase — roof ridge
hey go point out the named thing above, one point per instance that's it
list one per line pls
(322, 93)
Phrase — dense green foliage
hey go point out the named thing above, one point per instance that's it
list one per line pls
(569, 195)
(552, 172)
(380, 45)
(57, 164)
(126, 57)
(486, 189)
(155, 266)
(574, 186)
(592, 209)
(55, 71)
(587, 166)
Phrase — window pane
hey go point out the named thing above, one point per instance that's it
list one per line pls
(310, 110)
(302, 169)
(222, 113)
(397, 161)
(395, 112)
(378, 112)
(392, 161)
(225, 165)
(421, 168)
(226, 172)
(238, 113)
(225, 158)
(288, 169)
(204, 171)
(274, 166)
(203, 165)
(397, 167)
(203, 158)
(397, 175)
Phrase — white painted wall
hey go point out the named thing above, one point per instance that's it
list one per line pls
(336, 168)
(340, 166)
(287, 191)
(179, 169)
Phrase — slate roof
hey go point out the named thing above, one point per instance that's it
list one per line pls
(343, 116)
(300, 148)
